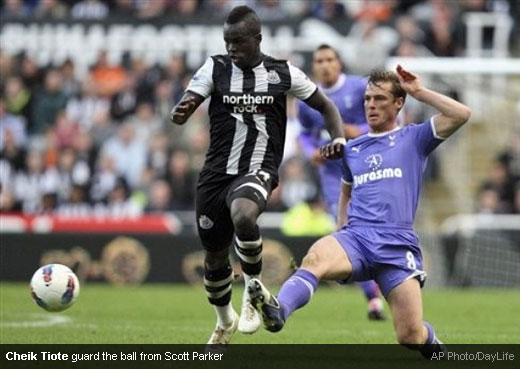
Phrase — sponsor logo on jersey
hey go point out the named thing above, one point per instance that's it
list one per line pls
(374, 162)
(247, 103)
(273, 77)
(377, 174)
(205, 222)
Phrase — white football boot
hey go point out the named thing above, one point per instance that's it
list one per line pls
(222, 336)
(249, 321)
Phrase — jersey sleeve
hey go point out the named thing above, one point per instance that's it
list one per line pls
(346, 174)
(426, 139)
(202, 81)
(306, 139)
(301, 86)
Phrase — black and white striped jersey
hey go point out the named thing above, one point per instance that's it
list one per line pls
(248, 111)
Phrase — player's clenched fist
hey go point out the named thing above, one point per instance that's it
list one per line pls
(333, 150)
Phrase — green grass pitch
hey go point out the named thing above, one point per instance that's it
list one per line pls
(171, 314)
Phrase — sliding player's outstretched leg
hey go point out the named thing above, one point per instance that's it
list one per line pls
(267, 304)
(218, 278)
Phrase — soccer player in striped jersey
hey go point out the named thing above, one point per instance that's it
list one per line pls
(382, 179)
(347, 92)
(248, 91)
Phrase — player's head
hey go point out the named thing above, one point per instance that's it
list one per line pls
(384, 98)
(326, 65)
(242, 35)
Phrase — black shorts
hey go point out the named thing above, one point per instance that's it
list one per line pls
(215, 192)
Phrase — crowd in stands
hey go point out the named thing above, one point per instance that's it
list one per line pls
(500, 192)
(102, 144)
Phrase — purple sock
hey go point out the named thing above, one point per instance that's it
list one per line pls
(297, 291)
(431, 334)
(370, 288)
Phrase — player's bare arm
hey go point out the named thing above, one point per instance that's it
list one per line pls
(344, 199)
(452, 115)
(330, 113)
(351, 130)
(185, 108)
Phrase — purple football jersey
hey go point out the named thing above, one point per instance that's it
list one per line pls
(385, 171)
(348, 96)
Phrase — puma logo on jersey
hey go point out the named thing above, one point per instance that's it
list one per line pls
(356, 149)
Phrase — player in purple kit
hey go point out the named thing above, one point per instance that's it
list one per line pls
(347, 93)
(382, 178)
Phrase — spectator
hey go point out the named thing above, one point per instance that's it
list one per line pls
(102, 129)
(501, 182)
(120, 204)
(104, 179)
(511, 158)
(13, 9)
(47, 103)
(85, 107)
(71, 172)
(164, 100)
(65, 130)
(31, 75)
(270, 10)
(17, 98)
(71, 86)
(109, 79)
(76, 206)
(158, 154)
(152, 8)
(185, 8)
(145, 122)
(299, 185)
(12, 128)
(489, 200)
(443, 32)
(30, 184)
(128, 153)
(89, 9)
(124, 9)
(159, 197)
(328, 10)
(51, 9)
(123, 103)
(182, 180)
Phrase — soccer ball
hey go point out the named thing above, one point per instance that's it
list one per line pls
(54, 287)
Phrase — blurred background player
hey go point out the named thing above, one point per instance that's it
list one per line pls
(248, 119)
(382, 179)
(347, 92)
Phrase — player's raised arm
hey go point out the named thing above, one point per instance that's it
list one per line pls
(185, 108)
(333, 123)
(452, 115)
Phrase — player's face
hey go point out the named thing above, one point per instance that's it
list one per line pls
(241, 44)
(381, 106)
(326, 66)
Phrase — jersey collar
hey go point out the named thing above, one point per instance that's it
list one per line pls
(370, 134)
(336, 86)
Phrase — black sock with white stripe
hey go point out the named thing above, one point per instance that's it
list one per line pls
(218, 289)
(249, 251)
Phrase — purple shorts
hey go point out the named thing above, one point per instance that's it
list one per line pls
(389, 256)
